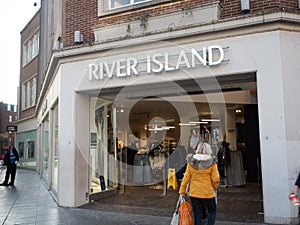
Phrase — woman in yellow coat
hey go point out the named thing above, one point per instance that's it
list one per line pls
(203, 178)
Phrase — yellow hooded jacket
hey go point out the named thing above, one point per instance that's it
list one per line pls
(202, 173)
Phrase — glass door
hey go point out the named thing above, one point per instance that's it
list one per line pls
(103, 172)
(45, 147)
(55, 161)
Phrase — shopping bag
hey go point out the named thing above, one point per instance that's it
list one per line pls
(185, 213)
(175, 218)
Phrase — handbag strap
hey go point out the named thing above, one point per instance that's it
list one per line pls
(187, 187)
(180, 199)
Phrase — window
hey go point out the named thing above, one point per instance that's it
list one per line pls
(107, 7)
(120, 3)
(25, 95)
(31, 48)
(10, 118)
(30, 150)
(29, 93)
(21, 149)
(8, 107)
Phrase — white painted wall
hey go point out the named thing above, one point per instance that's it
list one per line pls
(73, 140)
(82, 148)
(290, 55)
(27, 125)
(273, 55)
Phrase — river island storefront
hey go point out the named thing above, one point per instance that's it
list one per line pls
(115, 115)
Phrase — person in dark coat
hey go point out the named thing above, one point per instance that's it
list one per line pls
(10, 161)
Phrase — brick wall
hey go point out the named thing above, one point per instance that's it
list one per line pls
(27, 32)
(232, 8)
(79, 15)
(82, 14)
(4, 117)
(26, 72)
(26, 113)
(30, 69)
(153, 10)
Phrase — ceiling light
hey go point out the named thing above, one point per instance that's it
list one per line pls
(211, 120)
(199, 122)
(168, 127)
(187, 124)
(156, 129)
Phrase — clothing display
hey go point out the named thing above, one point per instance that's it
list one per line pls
(204, 133)
(193, 143)
(157, 156)
(157, 159)
(141, 171)
(235, 171)
(223, 159)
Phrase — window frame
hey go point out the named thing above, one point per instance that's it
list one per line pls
(104, 6)
(131, 2)
(31, 48)
(29, 93)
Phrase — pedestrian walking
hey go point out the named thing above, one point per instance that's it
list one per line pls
(203, 178)
(10, 161)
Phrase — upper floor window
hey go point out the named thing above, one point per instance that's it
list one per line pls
(120, 3)
(31, 48)
(29, 93)
(107, 7)
(10, 118)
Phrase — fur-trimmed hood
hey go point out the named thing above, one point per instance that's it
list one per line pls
(200, 161)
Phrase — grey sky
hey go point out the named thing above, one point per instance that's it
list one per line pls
(14, 15)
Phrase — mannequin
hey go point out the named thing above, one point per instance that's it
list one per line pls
(204, 133)
(194, 140)
(223, 160)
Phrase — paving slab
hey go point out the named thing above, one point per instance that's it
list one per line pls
(30, 203)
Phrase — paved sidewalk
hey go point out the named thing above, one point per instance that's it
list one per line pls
(29, 203)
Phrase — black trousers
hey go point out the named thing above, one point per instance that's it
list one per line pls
(199, 204)
(10, 171)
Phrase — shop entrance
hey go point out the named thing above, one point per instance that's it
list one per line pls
(153, 124)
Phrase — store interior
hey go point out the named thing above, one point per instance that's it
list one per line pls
(148, 129)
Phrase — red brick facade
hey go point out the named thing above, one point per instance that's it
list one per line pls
(79, 15)
(232, 8)
(4, 122)
(4, 116)
(82, 14)
(30, 69)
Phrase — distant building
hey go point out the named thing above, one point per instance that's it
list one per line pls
(8, 115)
(27, 94)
